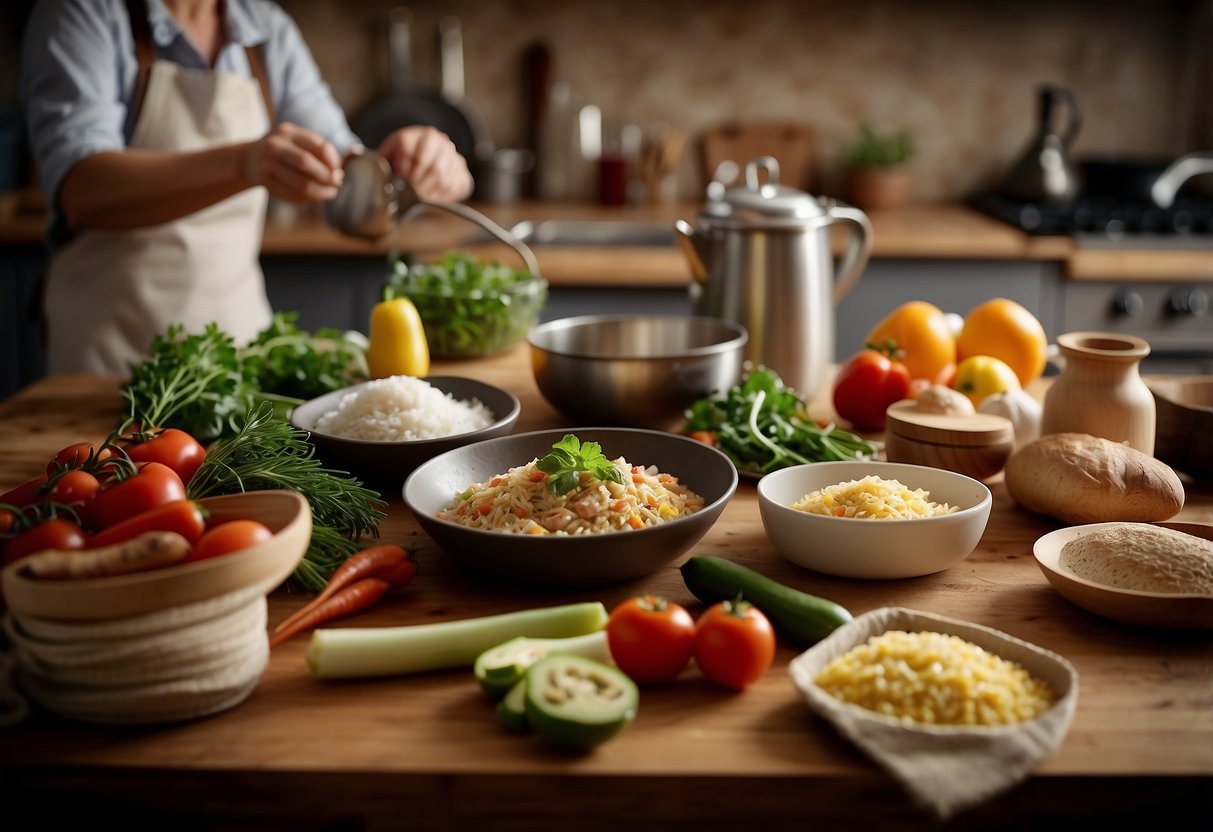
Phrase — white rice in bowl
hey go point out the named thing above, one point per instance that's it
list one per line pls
(402, 409)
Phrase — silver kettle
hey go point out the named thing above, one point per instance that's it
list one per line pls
(762, 257)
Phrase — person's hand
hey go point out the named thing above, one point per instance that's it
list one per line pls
(426, 158)
(294, 164)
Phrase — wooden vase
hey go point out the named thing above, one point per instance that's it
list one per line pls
(1100, 390)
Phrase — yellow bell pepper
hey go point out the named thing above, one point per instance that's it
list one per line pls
(980, 376)
(397, 343)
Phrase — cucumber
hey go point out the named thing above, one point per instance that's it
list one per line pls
(804, 618)
(511, 710)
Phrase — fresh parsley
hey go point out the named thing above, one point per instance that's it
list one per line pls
(762, 425)
(569, 457)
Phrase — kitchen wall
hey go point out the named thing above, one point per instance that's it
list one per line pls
(960, 75)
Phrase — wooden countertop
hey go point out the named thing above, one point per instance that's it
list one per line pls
(426, 752)
(945, 231)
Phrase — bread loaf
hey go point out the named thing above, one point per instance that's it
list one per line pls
(1080, 478)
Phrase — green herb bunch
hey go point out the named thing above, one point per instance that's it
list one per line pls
(762, 425)
(469, 306)
(192, 382)
(568, 458)
(286, 361)
(268, 453)
(204, 384)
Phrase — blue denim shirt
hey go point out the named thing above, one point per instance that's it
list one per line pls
(78, 73)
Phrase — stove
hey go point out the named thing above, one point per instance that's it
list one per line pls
(1174, 315)
(1115, 220)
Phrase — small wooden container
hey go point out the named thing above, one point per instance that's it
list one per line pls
(976, 446)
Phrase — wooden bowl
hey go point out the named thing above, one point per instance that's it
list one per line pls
(1146, 609)
(1183, 432)
(286, 513)
(977, 446)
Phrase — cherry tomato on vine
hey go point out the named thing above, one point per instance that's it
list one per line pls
(231, 536)
(174, 448)
(185, 517)
(154, 485)
(734, 644)
(866, 385)
(73, 486)
(651, 639)
(76, 455)
(56, 533)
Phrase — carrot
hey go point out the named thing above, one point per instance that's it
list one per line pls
(351, 599)
(707, 437)
(389, 563)
(149, 550)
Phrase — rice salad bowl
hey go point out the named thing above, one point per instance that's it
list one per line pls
(382, 429)
(871, 519)
(517, 509)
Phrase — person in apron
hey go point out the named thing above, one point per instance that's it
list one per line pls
(159, 197)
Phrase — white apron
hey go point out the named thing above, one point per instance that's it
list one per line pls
(110, 293)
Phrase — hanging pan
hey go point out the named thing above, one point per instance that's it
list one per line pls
(408, 102)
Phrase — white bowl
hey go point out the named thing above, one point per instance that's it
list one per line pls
(873, 548)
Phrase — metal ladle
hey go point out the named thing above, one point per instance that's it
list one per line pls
(372, 200)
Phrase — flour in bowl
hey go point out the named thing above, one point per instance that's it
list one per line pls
(402, 409)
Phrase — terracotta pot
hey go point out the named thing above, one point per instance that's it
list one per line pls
(878, 188)
(1100, 390)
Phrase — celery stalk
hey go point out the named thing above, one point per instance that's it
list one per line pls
(388, 651)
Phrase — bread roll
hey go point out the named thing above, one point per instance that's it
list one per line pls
(1080, 478)
(1142, 557)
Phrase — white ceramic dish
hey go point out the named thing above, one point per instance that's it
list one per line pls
(1147, 609)
(873, 548)
(285, 513)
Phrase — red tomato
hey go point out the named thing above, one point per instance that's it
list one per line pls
(73, 486)
(174, 448)
(231, 536)
(867, 384)
(76, 455)
(734, 644)
(55, 533)
(154, 485)
(651, 639)
(185, 517)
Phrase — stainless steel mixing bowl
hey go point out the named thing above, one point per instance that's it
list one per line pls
(634, 370)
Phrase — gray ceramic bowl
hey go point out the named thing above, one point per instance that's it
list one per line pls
(637, 370)
(387, 464)
(578, 560)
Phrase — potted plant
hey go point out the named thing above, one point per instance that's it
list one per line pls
(876, 175)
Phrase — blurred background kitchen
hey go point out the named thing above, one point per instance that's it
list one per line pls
(963, 81)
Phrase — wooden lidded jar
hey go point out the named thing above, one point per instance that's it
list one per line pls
(1100, 390)
(975, 445)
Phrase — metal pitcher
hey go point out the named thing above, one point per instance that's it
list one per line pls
(762, 256)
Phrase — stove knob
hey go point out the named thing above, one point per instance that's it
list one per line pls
(1193, 302)
(1127, 304)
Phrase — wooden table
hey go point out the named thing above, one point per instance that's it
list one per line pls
(426, 752)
